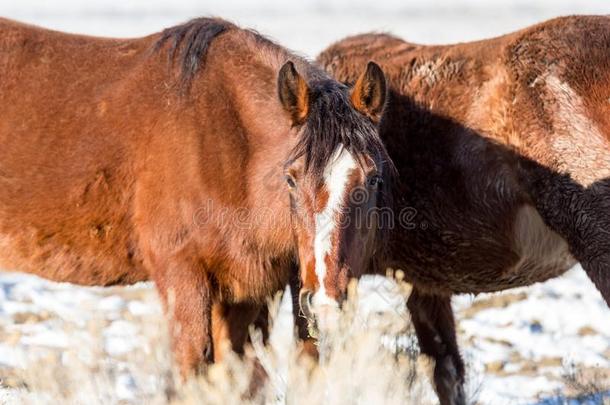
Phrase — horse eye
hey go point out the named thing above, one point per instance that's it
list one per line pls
(291, 182)
(374, 181)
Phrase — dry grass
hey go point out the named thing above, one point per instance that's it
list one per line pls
(369, 358)
(588, 385)
(366, 360)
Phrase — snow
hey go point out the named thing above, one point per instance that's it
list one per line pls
(547, 323)
(48, 338)
(138, 308)
(8, 357)
(560, 308)
(121, 338)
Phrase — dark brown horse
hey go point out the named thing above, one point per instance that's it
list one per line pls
(167, 158)
(502, 149)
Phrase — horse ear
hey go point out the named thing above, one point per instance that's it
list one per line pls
(294, 93)
(369, 92)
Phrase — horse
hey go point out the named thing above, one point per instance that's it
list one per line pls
(502, 152)
(196, 157)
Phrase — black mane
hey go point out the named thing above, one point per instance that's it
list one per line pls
(192, 39)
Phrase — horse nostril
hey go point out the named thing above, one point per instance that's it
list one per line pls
(305, 303)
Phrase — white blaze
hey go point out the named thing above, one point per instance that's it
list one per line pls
(336, 176)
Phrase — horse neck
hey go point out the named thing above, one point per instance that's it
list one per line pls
(254, 144)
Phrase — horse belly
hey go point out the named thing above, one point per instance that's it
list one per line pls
(527, 253)
(542, 253)
(97, 259)
(250, 279)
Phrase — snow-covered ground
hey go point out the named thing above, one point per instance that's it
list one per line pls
(524, 341)
(519, 345)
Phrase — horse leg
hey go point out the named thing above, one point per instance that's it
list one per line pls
(262, 323)
(432, 318)
(230, 326)
(186, 296)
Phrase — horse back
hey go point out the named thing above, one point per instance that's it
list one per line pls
(66, 154)
(561, 73)
(543, 90)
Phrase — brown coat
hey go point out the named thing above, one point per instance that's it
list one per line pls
(161, 158)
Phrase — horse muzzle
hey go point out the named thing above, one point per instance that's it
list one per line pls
(306, 310)
(321, 314)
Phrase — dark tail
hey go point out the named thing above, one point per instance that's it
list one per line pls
(599, 272)
(580, 214)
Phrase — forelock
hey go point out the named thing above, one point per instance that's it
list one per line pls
(332, 122)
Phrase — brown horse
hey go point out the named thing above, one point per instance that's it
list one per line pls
(166, 158)
(502, 149)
